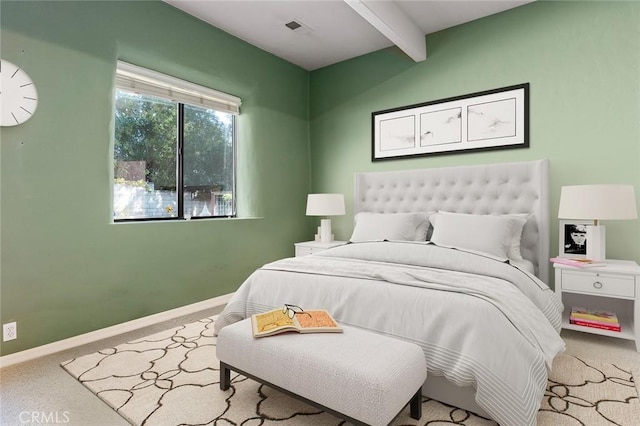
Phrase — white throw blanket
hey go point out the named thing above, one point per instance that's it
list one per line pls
(479, 321)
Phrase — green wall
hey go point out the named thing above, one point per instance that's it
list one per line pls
(66, 269)
(582, 60)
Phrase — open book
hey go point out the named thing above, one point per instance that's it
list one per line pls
(276, 321)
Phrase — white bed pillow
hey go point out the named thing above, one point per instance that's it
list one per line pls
(390, 226)
(497, 235)
(514, 253)
(523, 264)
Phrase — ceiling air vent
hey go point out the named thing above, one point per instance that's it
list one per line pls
(293, 25)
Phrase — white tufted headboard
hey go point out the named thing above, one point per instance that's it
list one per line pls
(486, 189)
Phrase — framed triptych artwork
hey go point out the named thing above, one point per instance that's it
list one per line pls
(493, 119)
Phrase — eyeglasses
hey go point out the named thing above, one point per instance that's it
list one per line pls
(292, 310)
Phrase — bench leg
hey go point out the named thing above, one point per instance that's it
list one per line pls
(225, 376)
(415, 405)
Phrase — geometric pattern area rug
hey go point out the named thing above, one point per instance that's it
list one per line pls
(172, 378)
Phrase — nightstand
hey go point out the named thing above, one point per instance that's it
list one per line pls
(310, 247)
(614, 287)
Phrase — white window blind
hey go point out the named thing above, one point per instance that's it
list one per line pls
(146, 82)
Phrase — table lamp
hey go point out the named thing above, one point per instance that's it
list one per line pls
(325, 205)
(596, 203)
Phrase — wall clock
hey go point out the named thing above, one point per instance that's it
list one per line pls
(18, 95)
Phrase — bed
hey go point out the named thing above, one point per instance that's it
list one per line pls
(453, 259)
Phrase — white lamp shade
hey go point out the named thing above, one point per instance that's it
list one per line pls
(598, 202)
(325, 205)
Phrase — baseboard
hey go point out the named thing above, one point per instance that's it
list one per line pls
(82, 339)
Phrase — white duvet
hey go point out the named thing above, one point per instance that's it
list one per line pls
(479, 321)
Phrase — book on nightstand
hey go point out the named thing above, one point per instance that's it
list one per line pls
(277, 321)
(577, 262)
(580, 313)
(596, 324)
(603, 320)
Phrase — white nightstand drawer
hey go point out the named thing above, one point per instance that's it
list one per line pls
(303, 251)
(599, 284)
(311, 247)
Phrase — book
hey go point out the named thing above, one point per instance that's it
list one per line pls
(276, 322)
(576, 262)
(579, 313)
(595, 324)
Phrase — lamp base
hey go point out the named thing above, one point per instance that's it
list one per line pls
(596, 242)
(325, 231)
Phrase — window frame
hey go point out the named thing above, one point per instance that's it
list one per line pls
(138, 80)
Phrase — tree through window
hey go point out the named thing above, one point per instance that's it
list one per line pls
(172, 159)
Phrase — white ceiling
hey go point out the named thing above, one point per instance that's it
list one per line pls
(332, 30)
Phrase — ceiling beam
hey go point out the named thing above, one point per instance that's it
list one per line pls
(393, 23)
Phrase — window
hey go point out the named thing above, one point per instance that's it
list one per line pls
(174, 149)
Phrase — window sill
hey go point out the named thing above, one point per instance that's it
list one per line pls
(207, 219)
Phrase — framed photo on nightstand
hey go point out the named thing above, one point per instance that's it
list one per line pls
(573, 238)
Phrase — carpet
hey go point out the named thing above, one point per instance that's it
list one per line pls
(171, 378)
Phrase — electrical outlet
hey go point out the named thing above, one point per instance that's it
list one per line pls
(9, 331)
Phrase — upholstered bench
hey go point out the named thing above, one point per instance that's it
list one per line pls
(359, 376)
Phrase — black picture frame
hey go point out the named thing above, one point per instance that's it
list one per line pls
(488, 120)
(569, 247)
